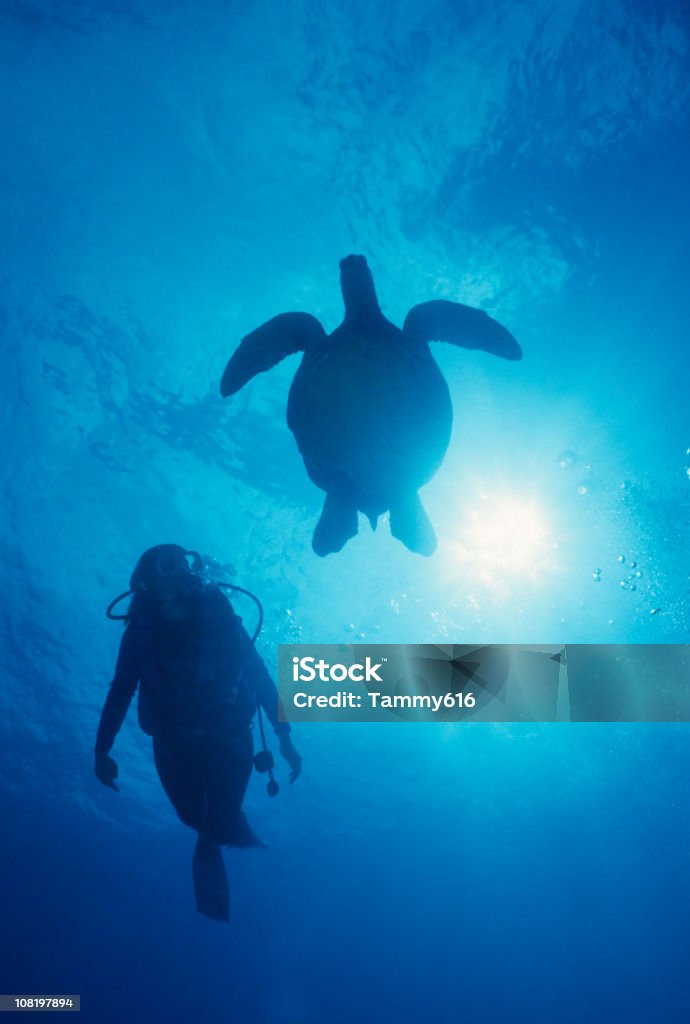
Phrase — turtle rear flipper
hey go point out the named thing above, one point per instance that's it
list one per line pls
(441, 320)
(267, 345)
(338, 523)
(410, 524)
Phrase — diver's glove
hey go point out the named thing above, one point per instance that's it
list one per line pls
(106, 769)
(291, 756)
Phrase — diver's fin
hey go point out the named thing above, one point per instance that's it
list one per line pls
(337, 524)
(244, 835)
(267, 345)
(441, 320)
(210, 880)
(410, 524)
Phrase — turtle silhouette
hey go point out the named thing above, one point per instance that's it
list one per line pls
(369, 406)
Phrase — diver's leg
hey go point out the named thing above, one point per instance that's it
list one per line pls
(338, 522)
(410, 524)
(180, 766)
(231, 762)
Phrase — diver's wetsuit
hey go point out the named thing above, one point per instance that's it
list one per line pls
(199, 682)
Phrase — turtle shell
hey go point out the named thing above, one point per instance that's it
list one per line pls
(370, 407)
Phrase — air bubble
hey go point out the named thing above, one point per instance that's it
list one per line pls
(654, 611)
(633, 565)
(624, 585)
(582, 490)
(639, 575)
(567, 459)
(621, 559)
(596, 577)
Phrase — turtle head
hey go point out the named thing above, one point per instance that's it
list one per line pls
(357, 286)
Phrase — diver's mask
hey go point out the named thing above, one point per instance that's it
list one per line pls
(165, 573)
(172, 563)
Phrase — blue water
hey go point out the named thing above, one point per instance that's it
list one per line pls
(174, 175)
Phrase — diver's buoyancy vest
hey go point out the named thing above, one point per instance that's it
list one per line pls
(192, 675)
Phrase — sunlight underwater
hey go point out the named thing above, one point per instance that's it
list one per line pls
(175, 180)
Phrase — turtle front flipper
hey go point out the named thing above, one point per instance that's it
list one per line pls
(441, 320)
(267, 345)
(338, 523)
(410, 524)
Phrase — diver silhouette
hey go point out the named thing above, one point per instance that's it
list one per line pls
(200, 683)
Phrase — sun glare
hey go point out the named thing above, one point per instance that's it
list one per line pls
(504, 537)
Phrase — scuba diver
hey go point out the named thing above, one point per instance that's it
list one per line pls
(200, 682)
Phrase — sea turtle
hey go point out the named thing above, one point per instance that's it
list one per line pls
(369, 407)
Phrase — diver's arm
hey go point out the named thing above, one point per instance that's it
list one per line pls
(120, 695)
(261, 682)
(267, 695)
